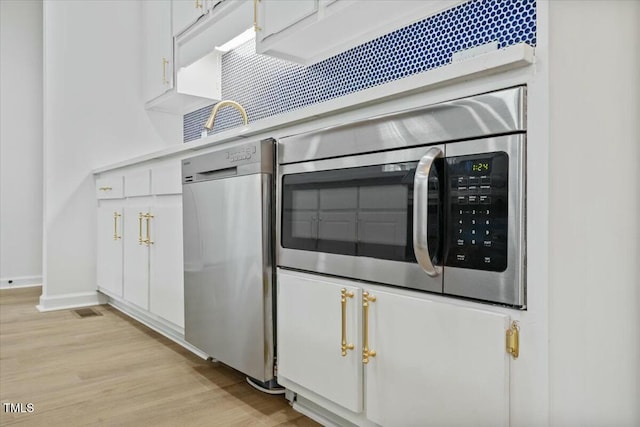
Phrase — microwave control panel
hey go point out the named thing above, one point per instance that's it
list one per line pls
(478, 211)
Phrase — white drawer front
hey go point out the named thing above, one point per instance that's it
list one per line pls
(166, 179)
(109, 187)
(138, 183)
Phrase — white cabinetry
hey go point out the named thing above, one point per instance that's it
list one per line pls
(136, 254)
(182, 67)
(309, 329)
(430, 363)
(153, 278)
(185, 12)
(308, 31)
(166, 297)
(157, 48)
(109, 250)
(140, 243)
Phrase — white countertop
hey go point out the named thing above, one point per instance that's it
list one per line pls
(516, 56)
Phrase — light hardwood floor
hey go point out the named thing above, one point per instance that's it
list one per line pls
(111, 370)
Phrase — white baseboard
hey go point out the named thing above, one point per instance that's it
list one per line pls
(66, 301)
(157, 324)
(20, 282)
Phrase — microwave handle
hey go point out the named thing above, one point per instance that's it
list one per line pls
(420, 208)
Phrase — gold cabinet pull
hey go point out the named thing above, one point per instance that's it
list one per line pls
(366, 353)
(105, 188)
(343, 301)
(198, 4)
(140, 217)
(165, 61)
(148, 241)
(255, 16)
(513, 340)
(116, 215)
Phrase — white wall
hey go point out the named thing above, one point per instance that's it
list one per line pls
(594, 224)
(20, 143)
(94, 116)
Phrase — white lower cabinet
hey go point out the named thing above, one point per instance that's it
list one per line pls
(166, 296)
(136, 256)
(310, 338)
(430, 363)
(109, 250)
(153, 278)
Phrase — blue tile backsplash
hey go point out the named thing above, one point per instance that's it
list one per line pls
(267, 86)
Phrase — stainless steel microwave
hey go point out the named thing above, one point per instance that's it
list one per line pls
(431, 199)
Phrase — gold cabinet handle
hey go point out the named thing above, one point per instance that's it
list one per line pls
(198, 4)
(148, 217)
(165, 61)
(116, 215)
(105, 188)
(255, 16)
(366, 353)
(140, 217)
(343, 301)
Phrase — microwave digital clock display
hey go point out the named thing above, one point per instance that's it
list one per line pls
(476, 167)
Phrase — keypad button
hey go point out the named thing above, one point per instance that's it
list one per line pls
(485, 180)
(486, 232)
(461, 242)
(473, 241)
(485, 200)
(485, 189)
(462, 190)
(460, 231)
(460, 221)
(474, 180)
(487, 222)
(461, 257)
(473, 190)
(487, 260)
(459, 181)
(473, 200)
(473, 231)
(487, 243)
(462, 200)
(473, 222)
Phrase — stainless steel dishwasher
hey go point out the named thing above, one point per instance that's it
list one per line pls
(228, 256)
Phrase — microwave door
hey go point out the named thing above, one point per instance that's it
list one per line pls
(428, 213)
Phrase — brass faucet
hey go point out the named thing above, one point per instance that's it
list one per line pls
(226, 103)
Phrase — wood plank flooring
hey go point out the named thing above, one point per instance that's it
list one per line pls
(112, 370)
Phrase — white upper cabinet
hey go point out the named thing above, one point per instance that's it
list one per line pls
(281, 14)
(185, 12)
(182, 64)
(157, 48)
(308, 31)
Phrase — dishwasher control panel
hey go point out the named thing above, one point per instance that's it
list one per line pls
(232, 160)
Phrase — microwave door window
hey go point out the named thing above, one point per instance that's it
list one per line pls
(364, 211)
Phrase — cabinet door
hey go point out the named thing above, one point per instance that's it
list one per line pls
(166, 284)
(276, 15)
(184, 13)
(109, 265)
(310, 337)
(157, 48)
(136, 257)
(436, 364)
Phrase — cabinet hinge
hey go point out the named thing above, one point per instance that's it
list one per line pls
(513, 340)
